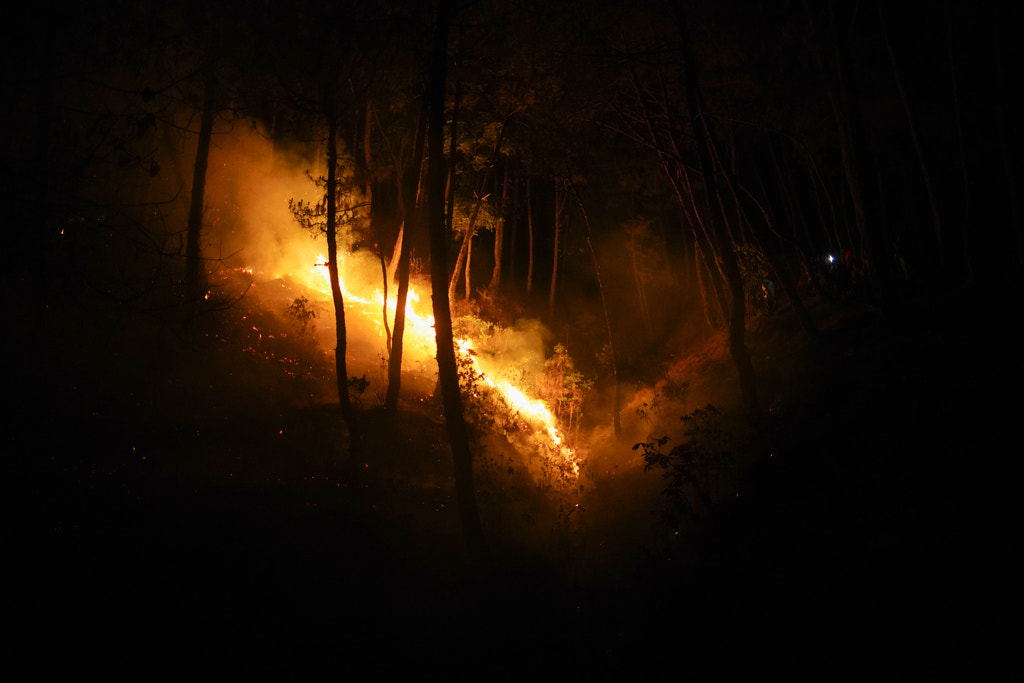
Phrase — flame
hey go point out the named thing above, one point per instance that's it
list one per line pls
(419, 333)
(533, 409)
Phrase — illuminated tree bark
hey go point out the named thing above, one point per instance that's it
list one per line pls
(452, 176)
(499, 235)
(447, 369)
(469, 261)
(409, 219)
(560, 199)
(467, 241)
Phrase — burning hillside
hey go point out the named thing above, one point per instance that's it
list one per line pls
(509, 379)
(256, 219)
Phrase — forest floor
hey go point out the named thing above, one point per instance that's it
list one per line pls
(242, 537)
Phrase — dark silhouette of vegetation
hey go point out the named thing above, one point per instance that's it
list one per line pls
(446, 364)
(693, 471)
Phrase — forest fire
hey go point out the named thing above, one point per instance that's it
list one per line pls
(420, 346)
(531, 408)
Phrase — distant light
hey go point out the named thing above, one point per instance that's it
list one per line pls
(831, 258)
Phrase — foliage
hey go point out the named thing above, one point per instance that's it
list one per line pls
(661, 394)
(357, 387)
(694, 469)
(464, 211)
(757, 278)
(349, 209)
(563, 387)
(647, 410)
(471, 327)
(380, 378)
(304, 313)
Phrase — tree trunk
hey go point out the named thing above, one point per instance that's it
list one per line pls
(368, 160)
(467, 241)
(193, 266)
(559, 203)
(514, 222)
(396, 250)
(704, 140)
(332, 268)
(408, 211)
(469, 262)
(452, 177)
(384, 305)
(604, 306)
(454, 280)
(499, 234)
(447, 369)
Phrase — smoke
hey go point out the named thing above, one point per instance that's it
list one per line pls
(517, 350)
(248, 224)
(250, 181)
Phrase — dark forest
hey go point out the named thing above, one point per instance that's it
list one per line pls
(512, 338)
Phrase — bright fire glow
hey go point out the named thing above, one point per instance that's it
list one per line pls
(420, 338)
(533, 409)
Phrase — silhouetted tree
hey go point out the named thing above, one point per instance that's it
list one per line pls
(447, 369)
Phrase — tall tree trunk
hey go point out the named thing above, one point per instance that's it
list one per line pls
(704, 140)
(396, 249)
(499, 234)
(368, 160)
(467, 240)
(469, 262)
(670, 155)
(384, 304)
(604, 306)
(452, 166)
(459, 260)
(193, 265)
(341, 348)
(514, 222)
(409, 213)
(447, 369)
(559, 204)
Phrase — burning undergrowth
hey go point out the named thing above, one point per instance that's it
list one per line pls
(534, 413)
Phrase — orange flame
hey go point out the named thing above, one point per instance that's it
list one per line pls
(419, 331)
